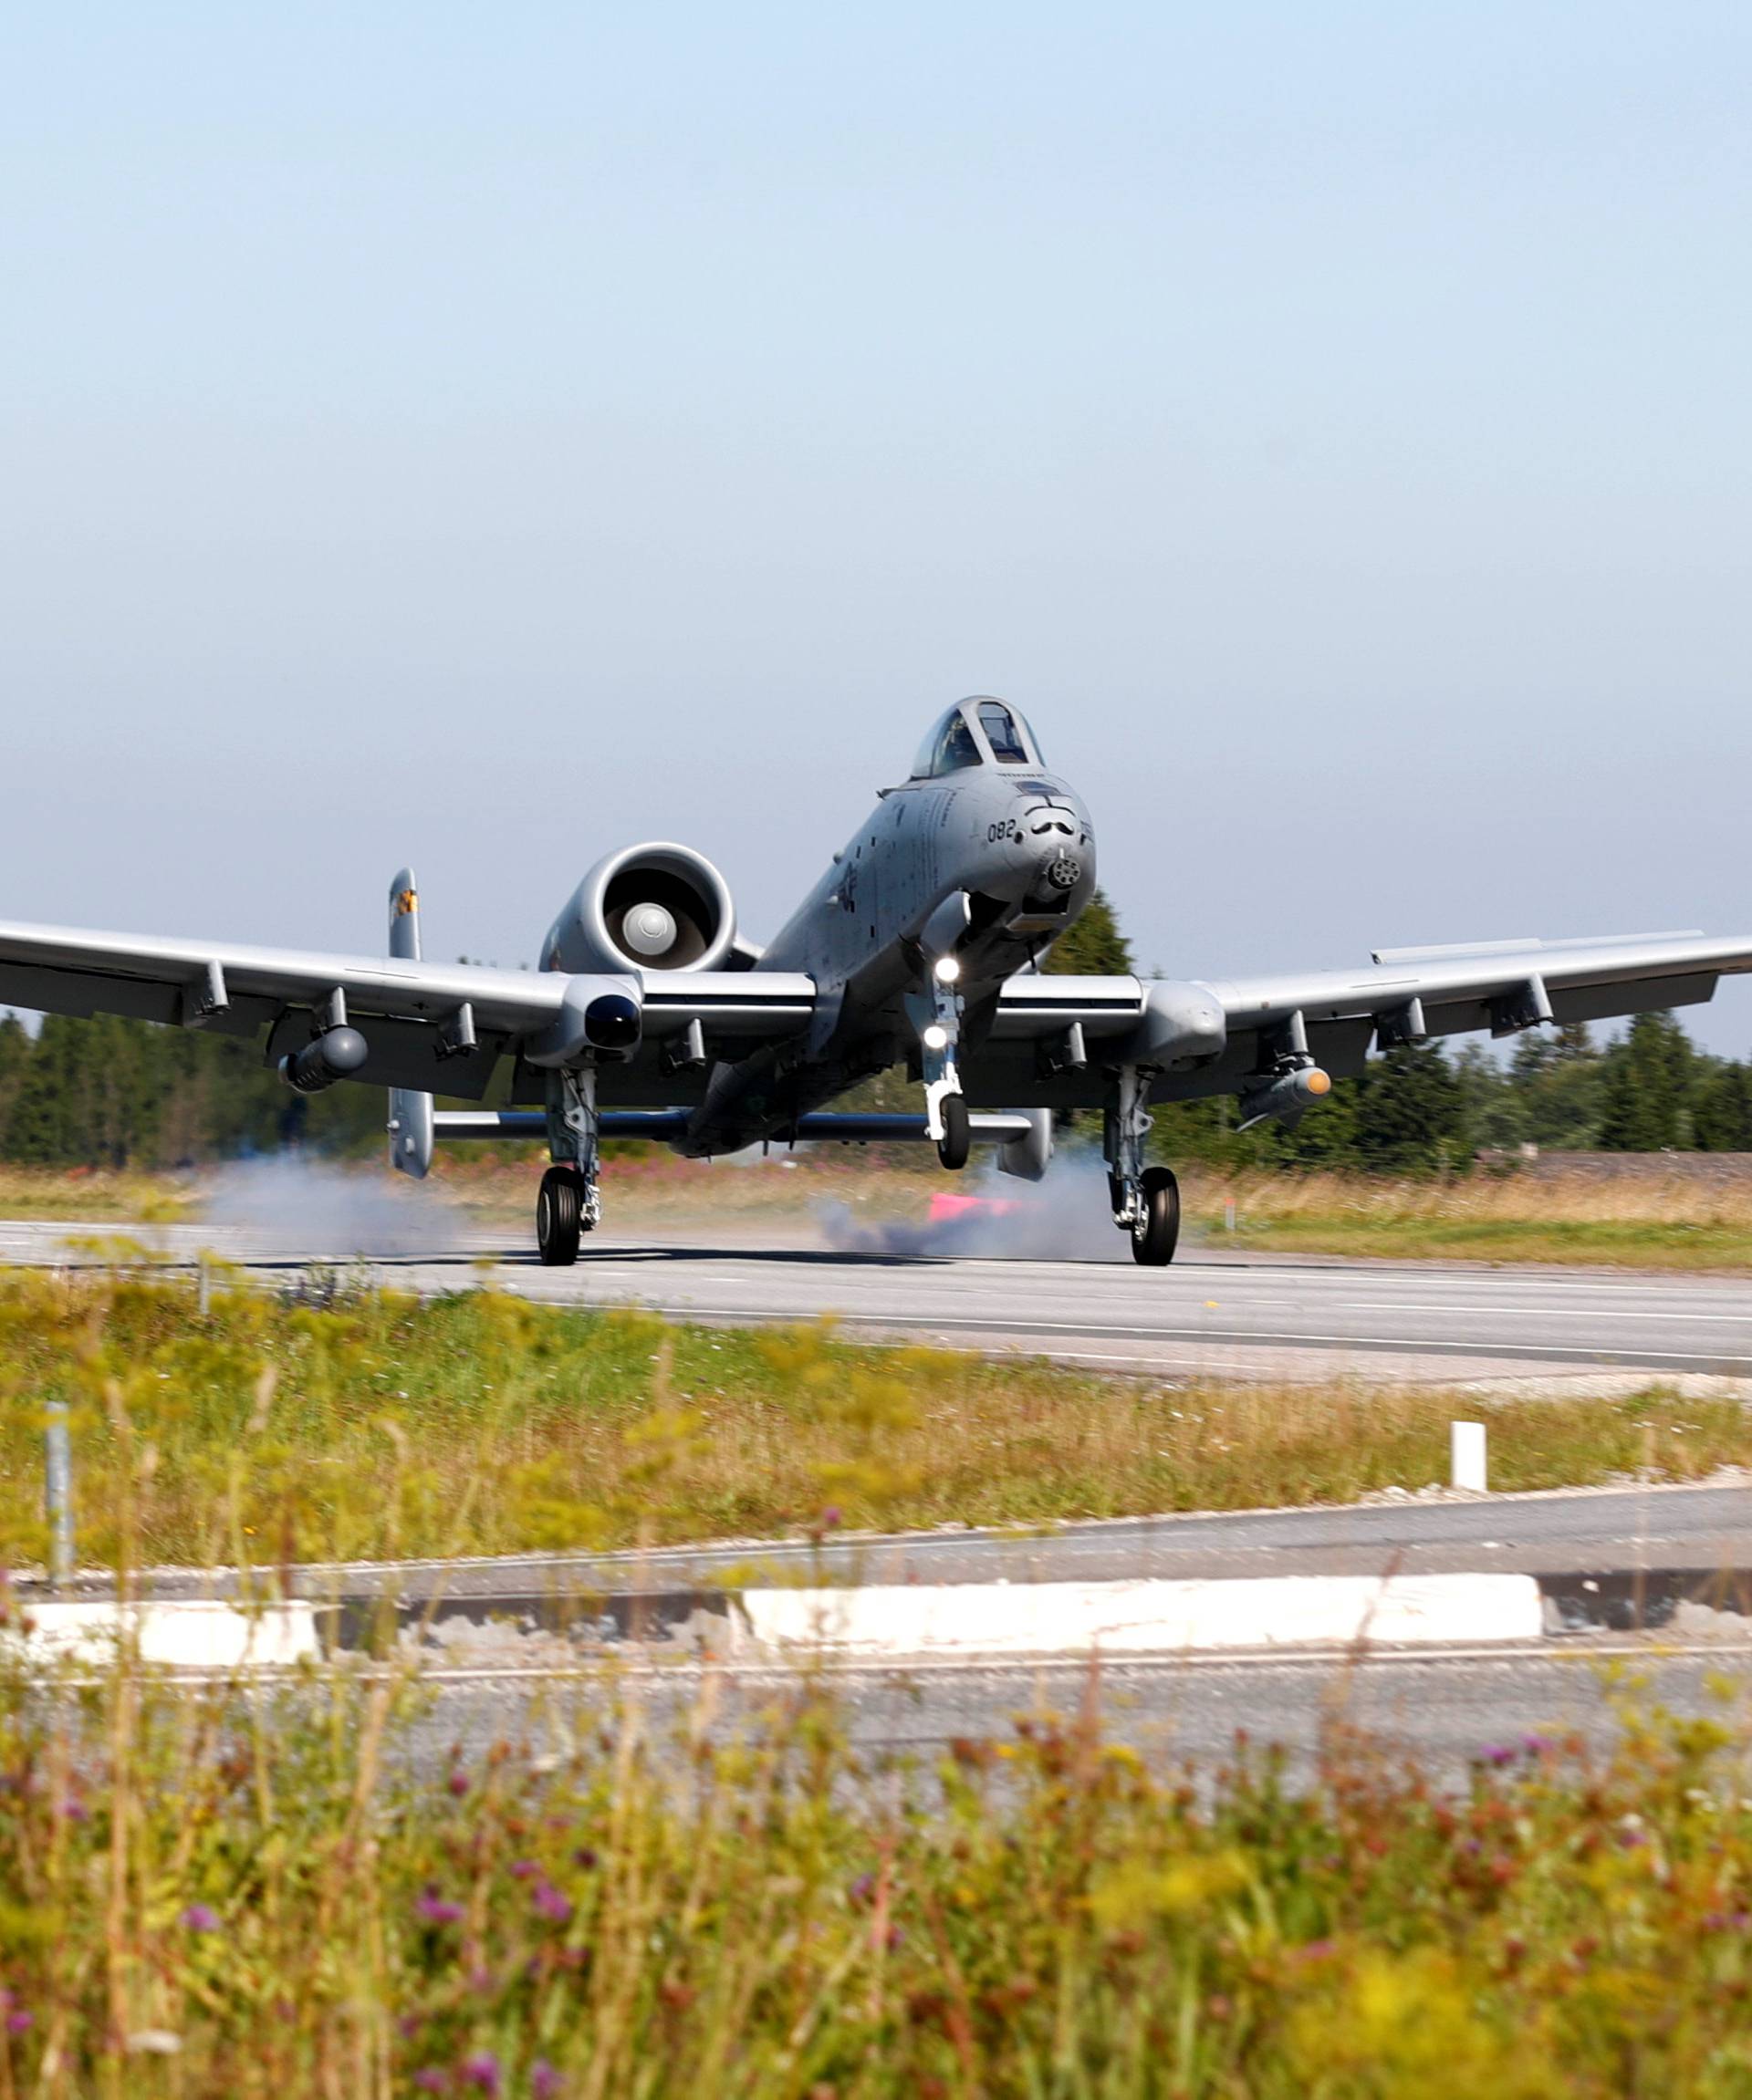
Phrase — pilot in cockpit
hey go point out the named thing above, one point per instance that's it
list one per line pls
(952, 746)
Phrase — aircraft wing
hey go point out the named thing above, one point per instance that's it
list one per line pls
(430, 1026)
(1211, 1036)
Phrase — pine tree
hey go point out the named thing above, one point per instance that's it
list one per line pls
(1645, 1103)
(1411, 1112)
(1094, 945)
(1721, 1109)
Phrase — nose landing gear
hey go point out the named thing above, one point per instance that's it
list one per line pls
(938, 1015)
(957, 1138)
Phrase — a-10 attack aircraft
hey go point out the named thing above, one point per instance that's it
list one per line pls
(651, 1017)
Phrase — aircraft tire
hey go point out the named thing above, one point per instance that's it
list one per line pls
(957, 1139)
(1156, 1231)
(559, 1216)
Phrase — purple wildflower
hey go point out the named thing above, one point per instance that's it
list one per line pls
(433, 2079)
(1496, 1753)
(585, 1857)
(863, 1888)
(552, 1903)
(435, 1909)
(524, 1868)
(482, 2072)
(545, 2081)
(199, 1917)
(1629, 1839)
(830, 1518)
(1536, 1745)
(19, 2023)
(458, 1783)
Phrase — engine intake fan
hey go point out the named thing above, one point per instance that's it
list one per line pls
(652, 907)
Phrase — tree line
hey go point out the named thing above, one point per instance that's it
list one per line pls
(109, 1092)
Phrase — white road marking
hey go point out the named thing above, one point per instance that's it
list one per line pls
(1541, 1312)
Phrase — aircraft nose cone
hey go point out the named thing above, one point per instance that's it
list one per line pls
(649, 929)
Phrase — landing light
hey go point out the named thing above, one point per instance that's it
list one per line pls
(1318, 1082)
(937, 1038)
(947, 969)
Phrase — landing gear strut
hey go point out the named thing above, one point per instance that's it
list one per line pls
(568, 1203)
(1146, 1200)
(936, 1014)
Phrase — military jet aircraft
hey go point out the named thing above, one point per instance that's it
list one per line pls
(650, 1016)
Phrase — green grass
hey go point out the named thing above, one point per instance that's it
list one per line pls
(379, 1426)
(215, 1895)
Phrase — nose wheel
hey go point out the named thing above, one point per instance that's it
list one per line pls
(957, 1139)
(1155, 1220)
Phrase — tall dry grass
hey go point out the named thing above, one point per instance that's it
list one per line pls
(95, 1193)
(1679, 1219)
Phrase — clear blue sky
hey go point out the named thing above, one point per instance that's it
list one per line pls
(489, 436)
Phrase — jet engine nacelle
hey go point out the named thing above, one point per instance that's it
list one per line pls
(656, 907)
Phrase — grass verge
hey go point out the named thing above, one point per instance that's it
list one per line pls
(85, 1192)
(287, 1893)
(379, 1426)
(1635, 1220)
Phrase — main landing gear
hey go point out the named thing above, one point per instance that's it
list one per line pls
(559, 1216)
(568, 1203)
(1146, 1200)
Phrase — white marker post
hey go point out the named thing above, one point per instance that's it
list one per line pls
(1466, 1455)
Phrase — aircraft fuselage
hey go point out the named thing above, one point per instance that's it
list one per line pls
(991, 864)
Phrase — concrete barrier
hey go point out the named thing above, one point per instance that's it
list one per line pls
(184, 1633)
(1144, 1616)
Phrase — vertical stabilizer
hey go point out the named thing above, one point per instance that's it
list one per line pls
(410, 1126)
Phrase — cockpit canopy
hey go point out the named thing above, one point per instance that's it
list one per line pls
(977, 732)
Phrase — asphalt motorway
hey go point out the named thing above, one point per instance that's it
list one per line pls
(1212, 1314)
(1582, 1532)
